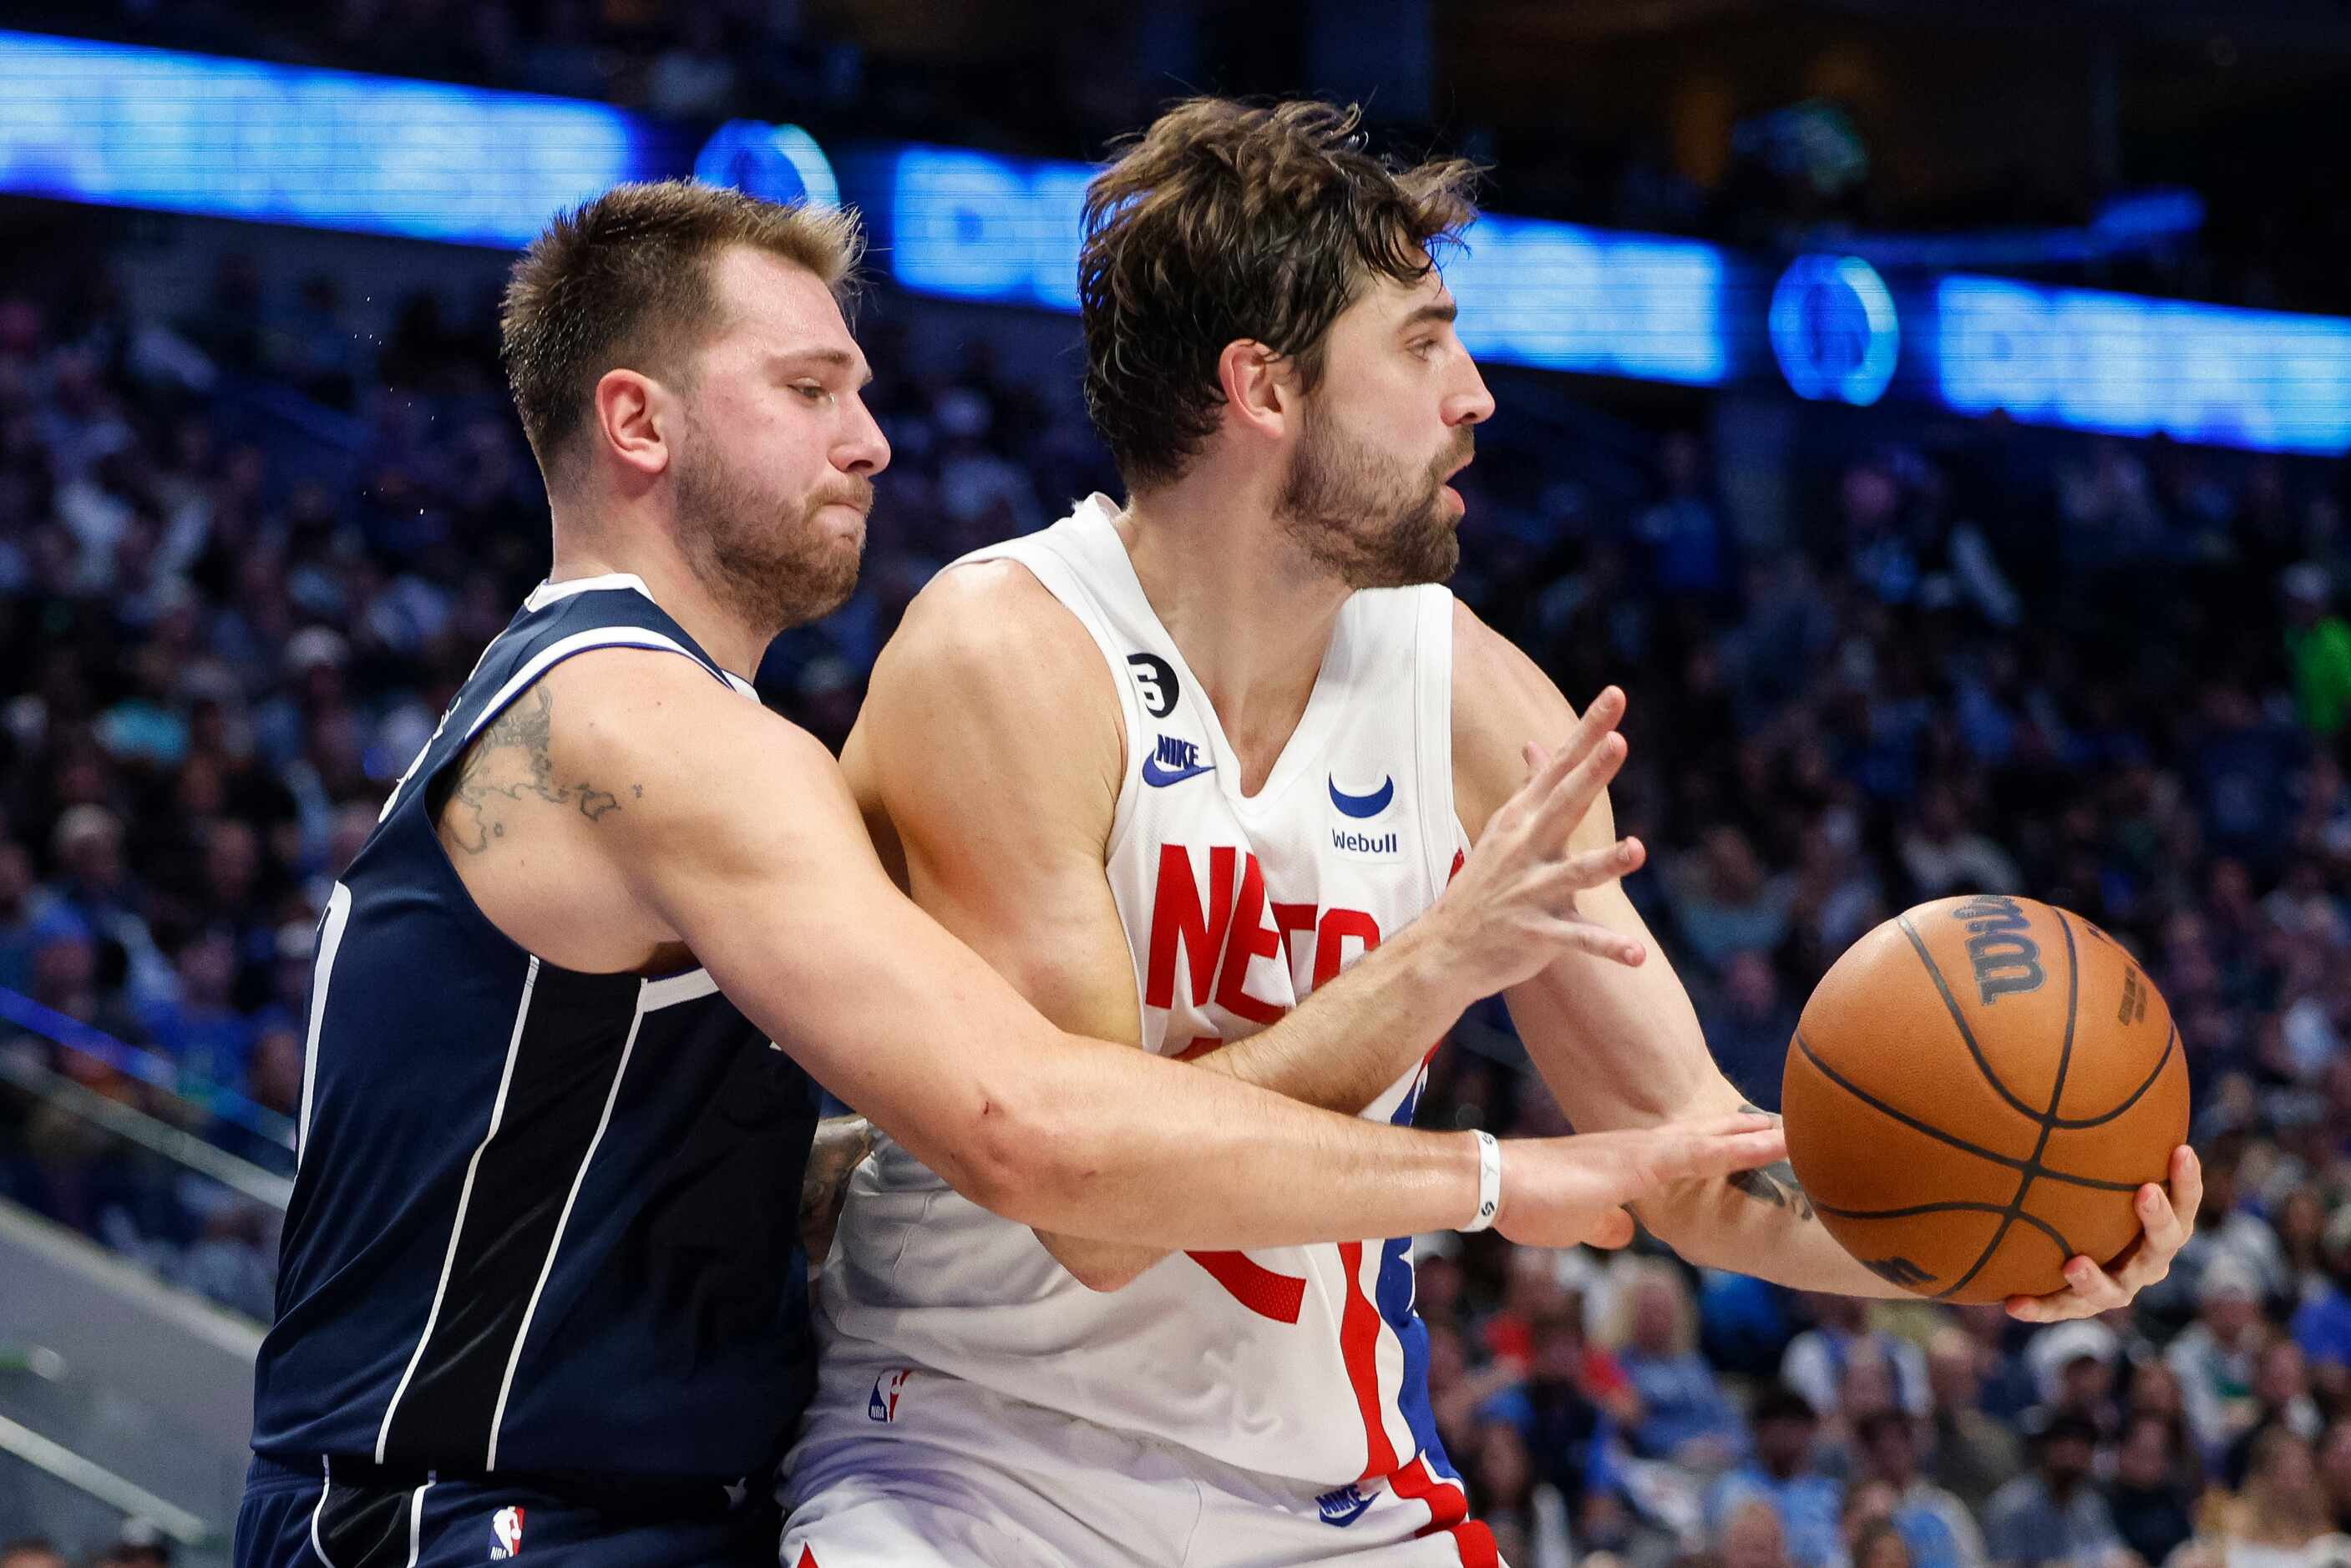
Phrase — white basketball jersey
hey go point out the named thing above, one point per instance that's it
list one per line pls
(1299, 1362)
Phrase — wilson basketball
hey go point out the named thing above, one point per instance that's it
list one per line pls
(1975, 1093)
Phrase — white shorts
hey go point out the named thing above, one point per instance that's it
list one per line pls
(912, 1469)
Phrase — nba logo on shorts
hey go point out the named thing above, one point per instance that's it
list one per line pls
(881, 1405)
(505, 1530)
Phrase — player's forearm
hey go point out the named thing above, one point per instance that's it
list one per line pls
(1116, 1146)
(1630, 1051)
(1351, 1039)
(1759, 1222)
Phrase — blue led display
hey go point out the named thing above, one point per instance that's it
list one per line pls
(1834, 329)
(119, 126)
(2119, 363)
(971, 225)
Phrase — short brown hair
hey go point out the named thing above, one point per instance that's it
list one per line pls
(626, 278)
(1228, 221)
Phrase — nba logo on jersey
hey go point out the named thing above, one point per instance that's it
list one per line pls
(506, 1531)
(881, 1405)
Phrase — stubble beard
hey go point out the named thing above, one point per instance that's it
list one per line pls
(772, 574)
(1363, 518)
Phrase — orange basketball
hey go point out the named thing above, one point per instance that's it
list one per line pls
(1975, 1093)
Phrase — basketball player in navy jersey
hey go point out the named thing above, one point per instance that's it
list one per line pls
(540, 1290)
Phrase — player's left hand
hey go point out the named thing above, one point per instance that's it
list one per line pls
(2166, 1221)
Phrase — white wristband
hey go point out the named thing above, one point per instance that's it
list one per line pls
(1490, 1182)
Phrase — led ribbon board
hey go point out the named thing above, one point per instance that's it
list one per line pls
(116, 125)
(2119, 363)
(119, 125)
(972, 225)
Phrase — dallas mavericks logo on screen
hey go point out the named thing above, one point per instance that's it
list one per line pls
(1834, 329)
(776, 162)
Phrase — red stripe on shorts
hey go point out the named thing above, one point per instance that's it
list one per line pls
(1448, 1512)
(1359, 1347)
(808, 1559)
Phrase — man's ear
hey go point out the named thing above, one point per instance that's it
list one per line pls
(1261, 388)
(635, 420)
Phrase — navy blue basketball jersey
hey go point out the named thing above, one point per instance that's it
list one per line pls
(543, 1221)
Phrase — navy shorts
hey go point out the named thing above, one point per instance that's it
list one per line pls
(380, 1519)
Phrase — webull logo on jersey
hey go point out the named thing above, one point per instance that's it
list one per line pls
(505, 1534)
(1344, 1505)
(1355, 830)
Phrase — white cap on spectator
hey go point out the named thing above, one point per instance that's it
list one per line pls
(2226, 1275)
(2055, 1349)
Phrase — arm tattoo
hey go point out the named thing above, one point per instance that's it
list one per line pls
(525, 727)
(1775, 1183)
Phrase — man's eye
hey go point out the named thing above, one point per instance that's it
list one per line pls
(813, 391)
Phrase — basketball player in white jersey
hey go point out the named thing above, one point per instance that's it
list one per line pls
(1170, 767)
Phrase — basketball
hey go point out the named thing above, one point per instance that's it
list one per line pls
(1975, 1093)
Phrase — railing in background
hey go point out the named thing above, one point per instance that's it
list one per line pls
(272, 1129)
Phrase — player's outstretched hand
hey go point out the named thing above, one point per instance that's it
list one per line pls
(1559, 1192)
(1512, 907)
(2166, 1221)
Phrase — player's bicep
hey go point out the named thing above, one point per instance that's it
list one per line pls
(745, 843)
(990, 741)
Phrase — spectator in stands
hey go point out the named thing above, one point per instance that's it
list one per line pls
(1751, 1536)
(1726, 900)
(1749, 1024)
(1685, 1416)
(1944, 854)
(2318, 645)
(1933, 1524)
(2281, 1398)
(2282, 1518)
(1971, 1455)
(29, 915)
(2053, 1514)
(1527, 1514)
(1815, 1364)
(1784, 1475)
(2152, 1511)
(2335, 1471)
(2322, 1325)
(2217, 1355)
(2072, 1366)
(32, 1552)
(1560, 1414)
(208, 1039)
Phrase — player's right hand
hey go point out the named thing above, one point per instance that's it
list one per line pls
(1559, 1192)
(1512, 907)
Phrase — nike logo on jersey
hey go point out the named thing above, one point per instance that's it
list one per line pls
(1343, 1506)
(1362, 806)
(1173, 762)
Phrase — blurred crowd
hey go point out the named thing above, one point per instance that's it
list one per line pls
(2108, 675)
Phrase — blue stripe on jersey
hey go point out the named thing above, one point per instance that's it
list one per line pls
(1394, 1297)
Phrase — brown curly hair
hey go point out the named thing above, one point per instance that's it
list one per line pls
(625, 279)
(1228, 221)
